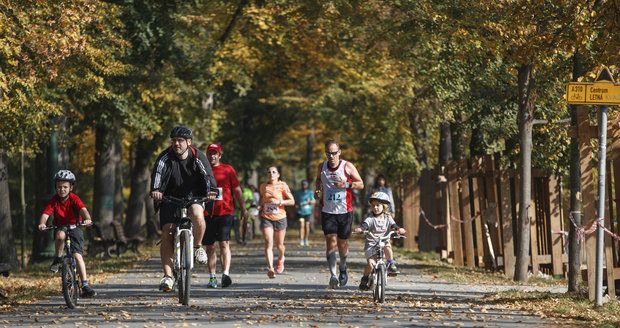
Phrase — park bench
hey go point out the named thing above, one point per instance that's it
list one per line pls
(121, 241)
(98, 244)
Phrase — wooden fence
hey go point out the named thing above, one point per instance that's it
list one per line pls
(469, 213)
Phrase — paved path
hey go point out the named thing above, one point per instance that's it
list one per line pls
(297, 298)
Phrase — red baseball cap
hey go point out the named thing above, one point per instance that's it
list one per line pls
(214, 147)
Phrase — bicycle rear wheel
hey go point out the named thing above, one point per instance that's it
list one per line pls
(379, 291)
(70, 288)
(185, 276)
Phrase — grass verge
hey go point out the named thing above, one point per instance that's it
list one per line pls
(430, 263)
(565, 308)
(571, 308)
(37, 281)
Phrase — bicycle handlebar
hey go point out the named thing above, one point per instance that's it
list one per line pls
(66, 225)
(386, 236)
(184, 202)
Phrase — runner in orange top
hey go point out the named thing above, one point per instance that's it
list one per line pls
(274, 195)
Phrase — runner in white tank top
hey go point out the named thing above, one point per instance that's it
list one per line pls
(334, 181)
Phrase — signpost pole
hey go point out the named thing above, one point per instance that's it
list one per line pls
(603, 92)
(602, 156)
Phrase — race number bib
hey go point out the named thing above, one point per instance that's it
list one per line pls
(220, 194)
(334, 196)
(271, 208)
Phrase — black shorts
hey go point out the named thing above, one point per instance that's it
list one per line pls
(218, 229)
(168, 212)
(77, 239)
(337, 224)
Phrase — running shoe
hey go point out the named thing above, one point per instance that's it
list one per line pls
(392, 269)
(364, 283)
(226, 281)
(333, 282)
(280, 265)
(166, 284)
(302, 243)
(306, 243)
(201, 255)
(212, 283)
(271, 273)
(343, 278)
(56, 264)
(88, 291)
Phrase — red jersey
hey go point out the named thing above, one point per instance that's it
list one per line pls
(64, 213)
(226, 178)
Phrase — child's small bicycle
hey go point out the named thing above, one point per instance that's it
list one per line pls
(71, 285)
(378, 277)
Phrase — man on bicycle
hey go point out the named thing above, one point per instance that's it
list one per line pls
(335, 181)
(180, 171)
(220, 220)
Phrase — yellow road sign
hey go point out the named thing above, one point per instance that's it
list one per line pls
(596, 93)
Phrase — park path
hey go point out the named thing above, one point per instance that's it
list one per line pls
(297, 298)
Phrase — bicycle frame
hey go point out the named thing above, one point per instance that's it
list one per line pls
(184, 224)
(71, 300)
(379, 275)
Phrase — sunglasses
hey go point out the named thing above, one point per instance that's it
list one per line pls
(332, 153)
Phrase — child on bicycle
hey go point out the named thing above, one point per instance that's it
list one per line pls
(68, 209)
(378, 222)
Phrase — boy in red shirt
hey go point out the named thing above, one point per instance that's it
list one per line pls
(68, 209)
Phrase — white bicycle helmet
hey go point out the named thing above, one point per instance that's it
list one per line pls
(380, 196)
(64, 175)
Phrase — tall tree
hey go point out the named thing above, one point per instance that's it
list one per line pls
(8, 252)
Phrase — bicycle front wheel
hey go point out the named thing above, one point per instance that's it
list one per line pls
(185, 275)
(379, 291)
(70, 288)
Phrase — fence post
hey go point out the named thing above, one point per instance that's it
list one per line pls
(507, 233)
(476, 168)
(465, 214)
(411, 213)
(455, 227)
(555, 217)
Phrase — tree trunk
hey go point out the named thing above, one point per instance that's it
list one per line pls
(458, 138)
(46, 165)
(140, 173)
(152, 223)
(445, 144)
(103, 194)
(118, 180)
(8, 253)
(310, 165)
(574, 244)
(420, 138)
(526, 113)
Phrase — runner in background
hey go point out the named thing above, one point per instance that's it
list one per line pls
(274, 196)
(304, 200)
(220, 219)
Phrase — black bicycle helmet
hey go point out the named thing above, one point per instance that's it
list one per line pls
(64, 175)
(181, 132)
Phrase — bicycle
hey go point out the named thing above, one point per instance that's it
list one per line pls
(183, 261)
(378, 277)
(71, 285)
